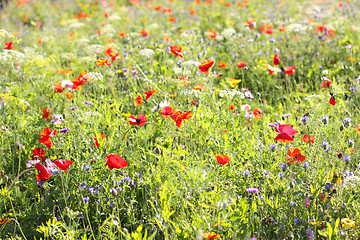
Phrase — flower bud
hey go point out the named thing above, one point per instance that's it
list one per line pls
(114, 192)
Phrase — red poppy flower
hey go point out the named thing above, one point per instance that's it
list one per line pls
(198, 87)
(176, 50)
(276, 60)
(295, 156)
(241, 64)
(211, 34)
(96, 144)
(150, 93)
(115, 161)
(231, 107)
(285, 131)
(102, 62)
(283, 137)
(57, 87)
(281, 28)
(9, 45)
(167, 111)
(289, 70)
(180, 116)
(320, 28)
(140, 121)
(45, 136)
(63, 164)
(332, 100)
(251, 24)
(307, 139)
(47, 132)
(38, 153)
(206, 65)
(222, 65)
(222, 159)
(139, 100)
(44, 174)
(257, 113)
(327, 83)
(158, 7)
(46, 114)
(285, 128)
(265, 27)
(144, 33)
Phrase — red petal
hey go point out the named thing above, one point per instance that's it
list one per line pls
(283, 137)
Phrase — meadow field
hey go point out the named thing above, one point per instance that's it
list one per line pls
(180, 119)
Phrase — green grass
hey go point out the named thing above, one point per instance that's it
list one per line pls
(173, 187)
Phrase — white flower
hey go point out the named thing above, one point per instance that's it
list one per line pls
(228, 32)
(325, 72)
(245, 107)
(164, 104)
(67, 84)
(146, 52)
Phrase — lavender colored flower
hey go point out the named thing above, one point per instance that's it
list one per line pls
(65, 130)
(273, 146)
(328, 186)
(292, 203)
(82, 186)
(306, 165)
(310, 233)
(297, 220)
(246, 172)
(283, 165)
(86, 199)
(252, 190)
(304, 119)
(280, 175)
(91, 189)
(51, 167)
(74, 108)
(325, 144)
(31, 163)
(347, 158)
(325, 119)
(287, 115)
(89, 103)
(273, 124)
(347, 122)
(351, 142)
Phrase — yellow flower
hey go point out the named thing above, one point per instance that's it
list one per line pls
(233, 82)
(348, 223)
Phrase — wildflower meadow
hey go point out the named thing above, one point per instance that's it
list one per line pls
(179, 119)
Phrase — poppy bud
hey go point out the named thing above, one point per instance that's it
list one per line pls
(134, 130)
(340, 155)
(157, 150)
(114, 192)
(341, 128)
(182, 157)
